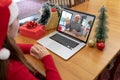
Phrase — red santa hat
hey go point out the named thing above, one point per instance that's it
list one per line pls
(77, 15)
(8, 13)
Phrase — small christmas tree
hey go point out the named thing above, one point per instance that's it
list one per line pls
(101, 30)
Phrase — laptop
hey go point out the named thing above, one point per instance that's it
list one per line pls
(67, 41)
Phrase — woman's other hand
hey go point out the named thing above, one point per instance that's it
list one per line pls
(39, 51)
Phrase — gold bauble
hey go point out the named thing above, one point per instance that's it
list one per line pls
(91, 43)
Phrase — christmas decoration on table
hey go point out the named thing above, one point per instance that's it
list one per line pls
(100, 45)
(50, 15)
(91, 43)
(32, 29)
(101, 29)
(31, 25)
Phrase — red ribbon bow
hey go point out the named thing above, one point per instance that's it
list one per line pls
(31, 24)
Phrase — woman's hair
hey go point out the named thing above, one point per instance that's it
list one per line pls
(16, 54)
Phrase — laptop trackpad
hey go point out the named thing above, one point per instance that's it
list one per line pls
(59, 49)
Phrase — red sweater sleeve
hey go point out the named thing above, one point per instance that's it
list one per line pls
(17, 71)
(25, 47)
(51, 70)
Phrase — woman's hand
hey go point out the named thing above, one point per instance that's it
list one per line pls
(39, 51)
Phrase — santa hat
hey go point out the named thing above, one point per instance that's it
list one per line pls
(77, 15)
(8, 13)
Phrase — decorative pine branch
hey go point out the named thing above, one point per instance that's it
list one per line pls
(46, 12)
(101, 29)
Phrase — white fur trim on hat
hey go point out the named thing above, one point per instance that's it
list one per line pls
(13, 12)
(4, 54)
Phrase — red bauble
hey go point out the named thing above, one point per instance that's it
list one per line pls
(100, 45)
(54, 10)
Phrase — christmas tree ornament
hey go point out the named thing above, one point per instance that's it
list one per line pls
(100, 45)
(53, 10)
(91, 43)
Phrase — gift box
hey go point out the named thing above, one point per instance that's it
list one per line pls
(32, 29)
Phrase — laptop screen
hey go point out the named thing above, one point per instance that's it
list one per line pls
(76, 24)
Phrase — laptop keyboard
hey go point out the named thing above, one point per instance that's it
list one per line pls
(64, 41)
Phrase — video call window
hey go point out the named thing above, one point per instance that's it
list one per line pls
(76, 24)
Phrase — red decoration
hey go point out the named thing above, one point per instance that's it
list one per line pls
(31, 25)
(100, 45)
(59, 28)
(32, 29)
(54, 10)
